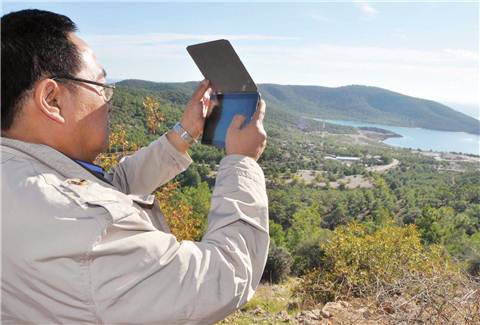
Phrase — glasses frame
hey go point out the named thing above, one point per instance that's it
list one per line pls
(108, 97)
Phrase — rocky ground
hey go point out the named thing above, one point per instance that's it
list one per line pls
(275, 304)
(332, 313)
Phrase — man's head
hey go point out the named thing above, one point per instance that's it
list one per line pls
(69, 115)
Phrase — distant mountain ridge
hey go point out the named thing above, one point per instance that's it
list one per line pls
(369, 104)
(360, 103)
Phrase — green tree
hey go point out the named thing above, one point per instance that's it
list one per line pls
(198, 199)
(190, 177)
(277, 234)
(279, 262)
(339, 216)
(306, 224)
(444, 226)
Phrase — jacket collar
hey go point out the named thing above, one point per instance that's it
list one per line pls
(53, 159)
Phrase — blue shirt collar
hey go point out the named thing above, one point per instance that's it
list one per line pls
(91, 167)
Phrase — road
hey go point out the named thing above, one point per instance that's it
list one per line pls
(384, 168)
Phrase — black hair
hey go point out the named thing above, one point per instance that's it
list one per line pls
(35, 45)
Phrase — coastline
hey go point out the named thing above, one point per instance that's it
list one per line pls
(414, 138)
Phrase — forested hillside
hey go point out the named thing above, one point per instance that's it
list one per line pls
(370, 104)
(394, 232)
(362, 103)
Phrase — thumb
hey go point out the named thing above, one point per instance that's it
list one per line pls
(237, 122)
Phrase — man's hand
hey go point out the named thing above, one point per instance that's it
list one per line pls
(198, 109)
(252, 139)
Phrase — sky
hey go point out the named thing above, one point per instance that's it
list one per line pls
(422, 49)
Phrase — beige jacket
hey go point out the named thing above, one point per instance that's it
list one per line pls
(76, 249)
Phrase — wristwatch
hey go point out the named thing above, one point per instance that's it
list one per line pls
(178, 128)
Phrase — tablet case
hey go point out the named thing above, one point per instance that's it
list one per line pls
(219, 63)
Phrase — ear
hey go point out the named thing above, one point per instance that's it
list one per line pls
(48, 98)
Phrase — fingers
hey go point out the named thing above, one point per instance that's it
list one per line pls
(260, 112)
(211, 107)
(207, 94)
(237, 122)
(200, 91)
(212, 101)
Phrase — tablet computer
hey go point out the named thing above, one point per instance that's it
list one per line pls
(219, 63)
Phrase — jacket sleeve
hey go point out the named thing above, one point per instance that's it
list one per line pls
(149, 168)
(149, 277)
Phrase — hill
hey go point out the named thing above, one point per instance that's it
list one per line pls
(369, 104)
(361, 103)
(420, 217)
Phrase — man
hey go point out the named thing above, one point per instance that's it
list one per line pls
(80, 246)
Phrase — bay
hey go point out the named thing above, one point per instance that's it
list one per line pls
(424, 139)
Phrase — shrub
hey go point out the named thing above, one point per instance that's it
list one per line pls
(278, 264)
(308, 256)
(178, 214)
(357, 261)
(306, 224)
(473, 267)
(401, 281)
(277, 234)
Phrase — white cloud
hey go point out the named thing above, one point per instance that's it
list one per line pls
(436, 75)
(447, 75)
(366, 8)
(462, 54)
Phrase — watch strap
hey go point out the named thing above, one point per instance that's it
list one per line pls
(178, 128)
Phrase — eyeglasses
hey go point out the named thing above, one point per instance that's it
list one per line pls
(107, 88)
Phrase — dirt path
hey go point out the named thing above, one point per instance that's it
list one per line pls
(384, 168)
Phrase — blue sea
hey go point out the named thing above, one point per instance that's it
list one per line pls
(424, 139)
